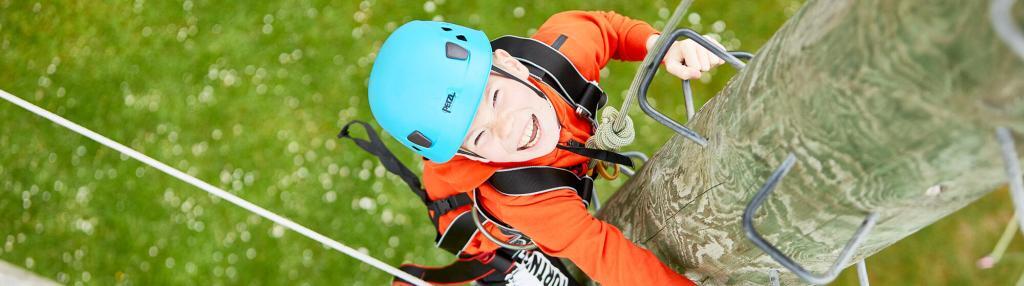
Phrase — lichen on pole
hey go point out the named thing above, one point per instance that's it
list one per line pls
(889, 106)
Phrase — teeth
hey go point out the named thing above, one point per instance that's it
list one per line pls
(528, 132)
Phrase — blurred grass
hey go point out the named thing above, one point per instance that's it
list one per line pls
(947, 252)
(248, 96)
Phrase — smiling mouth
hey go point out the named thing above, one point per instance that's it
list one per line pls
(530, 134)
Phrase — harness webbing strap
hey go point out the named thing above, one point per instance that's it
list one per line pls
(489, 266)
(523, 82)
(555, 70)
(557, 44)
(458, 234)
(445, 205)
(526, 181)
(533, 180)
(391, 164)
(603, 155)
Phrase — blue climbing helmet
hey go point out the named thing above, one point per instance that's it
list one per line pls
(426, 85)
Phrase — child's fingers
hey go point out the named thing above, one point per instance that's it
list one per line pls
(705, 59)
(674, 66)
(683, 72)
(691, 57)
(673, 62)
(672, 57)
(677, 69)
(683, 60)
(699, 54)
(691, 72)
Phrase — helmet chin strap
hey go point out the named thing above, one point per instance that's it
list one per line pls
(468, 153)
(508, 75)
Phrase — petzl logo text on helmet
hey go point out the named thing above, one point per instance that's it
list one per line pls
(448, 102)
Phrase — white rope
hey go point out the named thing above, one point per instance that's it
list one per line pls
(212, 190)
(634, 87)
(617, 130)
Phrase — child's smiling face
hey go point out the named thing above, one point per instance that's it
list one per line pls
(513, 123)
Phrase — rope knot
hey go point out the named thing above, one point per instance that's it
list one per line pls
(606, 137)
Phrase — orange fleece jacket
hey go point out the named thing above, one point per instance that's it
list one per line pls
(558, 221)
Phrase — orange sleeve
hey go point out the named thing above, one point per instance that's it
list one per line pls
(560, 225)
(594, 38)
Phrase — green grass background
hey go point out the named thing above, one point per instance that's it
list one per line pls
(248, 95)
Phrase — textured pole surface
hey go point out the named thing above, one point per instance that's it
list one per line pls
(889, 106)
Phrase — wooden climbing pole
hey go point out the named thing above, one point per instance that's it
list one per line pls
(889, 107)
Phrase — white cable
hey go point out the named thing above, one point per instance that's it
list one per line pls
(212, 190)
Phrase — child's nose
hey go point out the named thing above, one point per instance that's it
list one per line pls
(505, 128)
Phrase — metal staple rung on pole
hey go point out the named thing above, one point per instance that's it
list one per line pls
(844, 255)
(1001, 16)
(651, 69)
(688, 90)
(212, 189)
(688, 97)
(632, 155)
(862, 273)
(1013, 171)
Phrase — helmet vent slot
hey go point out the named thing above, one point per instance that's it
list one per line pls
(454, 51)
(417, 138)
(461, 37)
(446, 29)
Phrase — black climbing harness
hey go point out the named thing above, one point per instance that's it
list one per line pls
(552, 68)
(492, 267)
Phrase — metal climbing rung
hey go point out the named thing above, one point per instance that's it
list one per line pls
(862, 273)
(785, 261)
(730, 57)
(1013, 171)
(1006, 27)
(773, 277)
(632, 155)
(688, 92)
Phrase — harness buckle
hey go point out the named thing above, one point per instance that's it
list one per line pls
(442, 206)
(445, 205)
(581, 111)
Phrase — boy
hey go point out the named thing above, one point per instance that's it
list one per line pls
(473, 113)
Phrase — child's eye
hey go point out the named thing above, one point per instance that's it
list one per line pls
(494, 99)
(477, 140)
